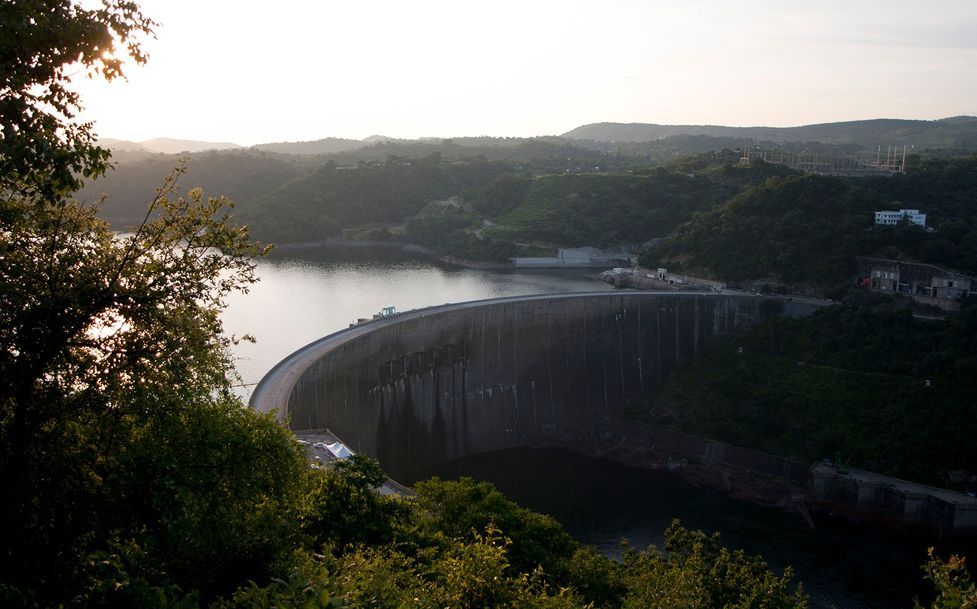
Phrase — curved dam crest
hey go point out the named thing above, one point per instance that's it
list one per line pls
(436, 384)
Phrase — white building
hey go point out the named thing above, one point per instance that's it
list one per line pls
(891, 218)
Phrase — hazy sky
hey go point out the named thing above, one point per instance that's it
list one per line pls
(288, 70)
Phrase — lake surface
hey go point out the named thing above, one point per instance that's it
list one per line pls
(307, 293)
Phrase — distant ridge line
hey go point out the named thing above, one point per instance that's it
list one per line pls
(930, 133)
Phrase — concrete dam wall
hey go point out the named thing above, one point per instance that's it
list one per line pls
(435, 384)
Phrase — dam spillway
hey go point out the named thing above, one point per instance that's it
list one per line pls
(430, 385)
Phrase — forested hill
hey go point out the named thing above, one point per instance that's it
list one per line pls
(545, 193)
(736, 223)
(496, 204)
(323, 146)
(323, 202)
(809, 229)
(241, 175)
(958, 133)
(248, 175)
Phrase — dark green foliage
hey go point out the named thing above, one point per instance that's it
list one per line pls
(342, 506)
(116, 425)
(696, 571)
(447, 551)
(954, 587)
(598, 579)
(781, 229)
(847, 381)
(448, 228)
(467, 246)
(129, 473)
(300, 199)
(318, 205)
(499, 196)
(809, 229)
(214, 491)
(457, 508)
(537, 155)
(243, 176)
(431, 227)
(598, 209)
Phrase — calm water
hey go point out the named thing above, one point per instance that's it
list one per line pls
(305, 294)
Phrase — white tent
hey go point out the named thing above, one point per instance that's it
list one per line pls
(339, 450)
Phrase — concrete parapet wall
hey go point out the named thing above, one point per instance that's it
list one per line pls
(441, 383)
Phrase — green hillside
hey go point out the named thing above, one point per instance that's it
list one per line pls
(323, 202)
(809, 229)
(250, 176)
(322, 146)
(870, 384)
(242, 176)
(501, 202)
(725, 220)
(595, 209)
(958, 133)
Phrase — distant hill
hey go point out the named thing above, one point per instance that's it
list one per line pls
(125, 152)
(329, 145)
(122, 145)
(958, 132)
(165, 145)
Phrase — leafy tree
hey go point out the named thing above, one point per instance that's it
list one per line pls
(696, 571)
(115, 385)
(954, 587)
(42, 151)
(343, 507)
(456, 508)
(597, 579)
(123, 454)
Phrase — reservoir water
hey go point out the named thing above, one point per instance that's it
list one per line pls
(306, 293)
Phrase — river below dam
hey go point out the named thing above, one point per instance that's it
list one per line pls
(600, 502)
(306, 293)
